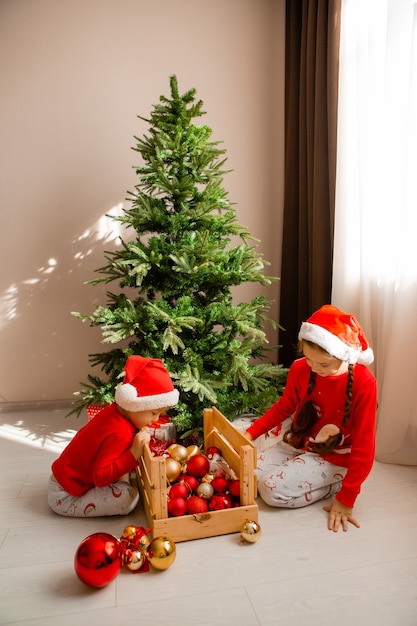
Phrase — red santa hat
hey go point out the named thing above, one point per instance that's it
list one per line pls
(339, 334)
(146, 386)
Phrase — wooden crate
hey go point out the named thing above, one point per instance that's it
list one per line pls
(238, 452)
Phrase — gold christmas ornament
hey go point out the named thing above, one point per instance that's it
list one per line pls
(129, 533)
(161, 552)
(135, 559)
(250, 531)
(179, 453)
(192, 450)
(173, 469)
(171, 448)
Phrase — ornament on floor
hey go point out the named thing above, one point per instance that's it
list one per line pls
(134, 542)
(161, 553)
(98, 559)
(101, 556)
(250, 531)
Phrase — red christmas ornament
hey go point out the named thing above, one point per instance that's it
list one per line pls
(219, 484)
(220, 501)
(210, 452)
(198, 466)
(190, 481)
(234, 488)
(98, 559)
(196, 505)
(177, 507)
(179, 490)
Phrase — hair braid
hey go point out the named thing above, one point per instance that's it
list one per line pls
(311, 383)
(305, 419)
(349, 388)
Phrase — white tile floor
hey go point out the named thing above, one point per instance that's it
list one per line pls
(298, 572)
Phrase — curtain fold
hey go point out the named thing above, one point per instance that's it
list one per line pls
(375, 253)
(312, 45)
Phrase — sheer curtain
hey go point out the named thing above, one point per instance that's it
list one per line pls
(375, 253)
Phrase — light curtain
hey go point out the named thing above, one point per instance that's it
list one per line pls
(375, 245)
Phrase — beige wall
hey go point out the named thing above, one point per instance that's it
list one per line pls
(74, 75)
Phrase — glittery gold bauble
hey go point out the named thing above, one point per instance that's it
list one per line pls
(250, 531)
(173, 469)
(134, 559)
(179, 453)
(192, 450)
(129, 533)
(161, 553)
(205, 490)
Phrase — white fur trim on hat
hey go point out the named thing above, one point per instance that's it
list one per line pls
(126, 396)
(335, 346)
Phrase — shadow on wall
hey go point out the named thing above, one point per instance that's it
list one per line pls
(18, 296)
(36, 320)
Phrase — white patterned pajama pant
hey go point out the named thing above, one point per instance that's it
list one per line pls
(119, 498)
(290, 478)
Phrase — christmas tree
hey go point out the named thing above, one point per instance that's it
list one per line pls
(187, 254)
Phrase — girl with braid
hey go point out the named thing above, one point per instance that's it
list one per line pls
(331, 397)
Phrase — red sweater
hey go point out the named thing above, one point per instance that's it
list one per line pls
(357, 450)
(98, 455)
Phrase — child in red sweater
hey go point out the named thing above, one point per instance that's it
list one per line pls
(91, 477)
(331, 397)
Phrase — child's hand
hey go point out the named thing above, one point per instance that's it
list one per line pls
(340, 514)
(139, 441)
(248, 436)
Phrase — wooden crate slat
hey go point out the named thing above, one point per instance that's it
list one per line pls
(236, 438)
(144, 491)
(212, 524)
(228, 452)
(247, 476)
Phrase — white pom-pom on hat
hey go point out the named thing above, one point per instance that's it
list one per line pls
(146, 386)
(339, 333)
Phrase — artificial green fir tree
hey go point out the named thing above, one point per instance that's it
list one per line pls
(187, 254)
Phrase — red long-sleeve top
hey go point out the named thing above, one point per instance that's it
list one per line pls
(357, 450)
(98, 455)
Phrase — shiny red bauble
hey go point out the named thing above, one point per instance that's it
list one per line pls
(190, 481)
(220, 501)
(98, 559)
(234, 488)
(219, 484)
(211, 451)
(198, 466)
